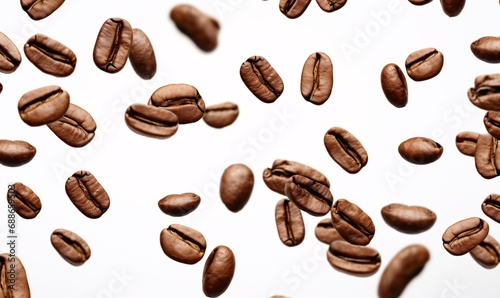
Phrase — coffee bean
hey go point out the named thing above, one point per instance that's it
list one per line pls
(43, 105)
(326, 232)
(151, 121)
(289, 222)
(293, 9)
(345, 149)
(1, 87)
(112, 45)
(179, 204)
(16, 153)
(486, 92)
(50, 56)
(420, 150)
(487, 156)
(466, 142)
(10, 57)
(236, 186)
(492, 123)
(331, 5)
(221, 115)
(317, 78)
(23, 200)
(218, 271)
(261, 79)
(87, 194)
(394, 85)
(181, 99)
(17, 287)
(487, 253)
(76, 128)
(353, 259)
(201, 28)
(419, 2)
(352, 223)
(38, 10)
(487, 49)
(183, 244)
(408, 219)
(424, 64)
(402, 269)
(452, 7)
(462, 236)
(491, 206)
(142, 55)
(310, 196)
(70, 246)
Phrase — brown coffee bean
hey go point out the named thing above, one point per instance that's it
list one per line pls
(151, 121)
(331, 5)
(462, 236)
(293, 9)
(76, 128)
(23, 200)
(408, 219)
(70, 246)
(43, 105)
(345, 149)
(10, 57)
(487, 156)
(218, 271)
(466, 142)
(87, 194)
(492, 123)
(487, 253)
(38, 10)
(179, 204)
(424, 64)
(112, 45)
(486, 92)
(310, 196)
(236, 186)
(420, 150)
(487, 49)
(142, 55)
(394, 85)
(317, 78)
(1, 87)
(353, 259)
(402, 269)
(261, 79)
(221, 115)
(289, 222)
(491, 206)
(183, 244)
(17, 287)
(16, 153)
(352, 223)
(452, 7)
(419, 2)
(326, 232)
(50, 56)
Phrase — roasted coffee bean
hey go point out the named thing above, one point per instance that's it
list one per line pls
(70, 246)
(419, 2)
(50, 56)
(408, 219)
(17, 287)
(394, 85)
(487, 253)
(466, 142)
(424, 64)
(43, 105)
(293, 9)
(142, 55)
(201, 28)
(326, 232)
(331, 5)
(112, 45)
(1, 87)
(261, 79)
(486, 92)
(183, 244)
(345, 149)
(462, 236)
(289, 222)
(352, 223)
(221, 115)
(353, 259)
(87, 194)
(10, 57)
(181, 99)
(276, 177)
(310, 196)
(452, 7)
(16, 153)
(492, 123)
(487, 156)
(420, 150)
(151, 121)
(236, 186)
(487, 49)
(38, 10)
(317, 78)
(402, 269)
(179, 204)
(76, 128)
(23, 200)
(218, 271)
(491, 207)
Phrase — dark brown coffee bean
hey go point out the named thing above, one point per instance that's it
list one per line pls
(452, 7)
(486, 92)
(16, 153)
(17, 287)
(424, 64)
(353, 259)
(183, 244)
(331, 5)
(87, 194)
(10, 57)
(310, 196)
(420, 150)
(261, 79)
(151, 121)
(466, 142)
(289, 222)
(179, 204)
(50, 56)
(326, 232)
(43, 105)
(394, 85)
(112, 45)
(24, 200)
(491, 207)
(317, 78)
(487, 156)
(352, 223)
(201, 28)
(293, 9)
(38, 10)
(487, 49)
(408, 219)
(221, 115)
(419, 2)
(345, 149)
(462, 236)
(492, 123)
(1, 87)
(76, 128)
(236, 186)
(218, 271)
(70, 246)
(142, 55)
(487, 253)
(181, 99)
(276, 177)
(402, 269)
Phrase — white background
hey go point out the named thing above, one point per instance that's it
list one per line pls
(136, 171)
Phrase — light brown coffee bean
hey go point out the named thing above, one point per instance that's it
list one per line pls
(452, 8)
(394, 85)
(261, 79)
(10, 57)
(487, 253)
(23, 200)
(486, 92)
(352, 223)
(331, 5)
(87, 194)
(179, 204)
(112, 45)
(466, 142)
(424, 64)
(487, 49)
(76, 128)
(142, 55)
(492, 123)
(491, 206)
(151, 121)
(462, 236)
(289, 222)
(420, 150)
(16, 153)
(221, 115)
(317, 78)
(326, 232)
(236, 186)
(50, 56)
(183, 244)
(17, 287)
(353, 259)
(293, 9)
(38, 10)
(310, 196)
(487, 156)
(408, 219)
(218, 271)
(345, 149)
(70, 246)
(43, 105)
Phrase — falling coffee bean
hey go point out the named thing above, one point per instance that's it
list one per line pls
(23, 200)
(466, 142)
(420, 150)
(462, 236)
(236, 186)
